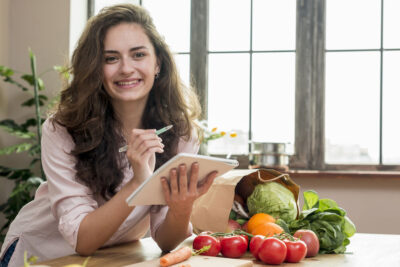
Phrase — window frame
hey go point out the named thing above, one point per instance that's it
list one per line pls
(309, 144)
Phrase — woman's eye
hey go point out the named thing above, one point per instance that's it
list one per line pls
(139, 54)
(110, 59)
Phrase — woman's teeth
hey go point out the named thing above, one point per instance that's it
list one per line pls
(128, 83)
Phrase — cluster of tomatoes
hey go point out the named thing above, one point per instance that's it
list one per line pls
(271, 250)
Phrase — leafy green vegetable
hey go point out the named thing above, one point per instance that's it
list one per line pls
(274, 199)
(327, 220)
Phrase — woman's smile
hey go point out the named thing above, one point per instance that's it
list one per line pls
(128, 83)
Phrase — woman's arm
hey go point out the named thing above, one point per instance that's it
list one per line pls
(180, 194)
(99, 225)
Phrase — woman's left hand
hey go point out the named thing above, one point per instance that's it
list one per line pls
(182, 190)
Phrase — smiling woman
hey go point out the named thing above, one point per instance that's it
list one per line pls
(125, 85)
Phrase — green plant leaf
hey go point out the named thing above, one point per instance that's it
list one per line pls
(14, 129)
(34, 150)
(7, 72)
(40, 84)
(349, 228)
(310, 200)
(327, 203)
(18, 148)
(14, 173)
(8, 79)
(29, 123)
(28, 78)
(64, 71)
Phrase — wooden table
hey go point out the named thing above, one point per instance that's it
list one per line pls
(364, 250)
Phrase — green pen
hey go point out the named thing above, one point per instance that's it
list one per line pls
(158, 132)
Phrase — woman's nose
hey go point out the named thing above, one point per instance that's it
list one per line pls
(127, 66)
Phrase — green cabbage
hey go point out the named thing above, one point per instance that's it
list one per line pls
(274, 199)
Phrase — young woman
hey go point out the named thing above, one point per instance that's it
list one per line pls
(125, 86)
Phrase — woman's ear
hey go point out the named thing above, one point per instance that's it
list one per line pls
(157, 67)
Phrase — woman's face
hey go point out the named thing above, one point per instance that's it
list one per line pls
(130, 63)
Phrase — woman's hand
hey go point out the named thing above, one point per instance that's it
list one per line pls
(182, 190)
(142, 146)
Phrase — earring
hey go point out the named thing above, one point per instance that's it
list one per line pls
(157, 75)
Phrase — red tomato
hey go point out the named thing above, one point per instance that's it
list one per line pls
(233, 246)
(246, 237)
(296, 250)
(203, 240)
(311, 240)
(272, 251)
(255, 243)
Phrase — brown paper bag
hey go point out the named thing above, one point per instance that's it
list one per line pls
(211, 211)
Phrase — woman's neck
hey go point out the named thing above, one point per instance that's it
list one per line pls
(130, 114)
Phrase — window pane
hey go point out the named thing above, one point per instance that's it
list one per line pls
(352, 108)
(353, 24)
(274, 25)
(391, 36)
(228, 101)
(273, 97)
(183, 65)
(99, 4)
(175, 28)
(391, 108)
(229, 25)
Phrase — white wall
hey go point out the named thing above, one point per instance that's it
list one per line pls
(43, 26)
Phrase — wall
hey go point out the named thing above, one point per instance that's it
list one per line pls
(371, 203)
(42, 25)
(5, 186)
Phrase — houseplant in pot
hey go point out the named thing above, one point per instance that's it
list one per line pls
(26, 179)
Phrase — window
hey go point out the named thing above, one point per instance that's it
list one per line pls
(362, 57)
(251, 62)
(319, 74)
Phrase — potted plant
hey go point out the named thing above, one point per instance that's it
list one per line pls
(25, 179)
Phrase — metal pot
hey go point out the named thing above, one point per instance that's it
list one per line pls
(272, 155)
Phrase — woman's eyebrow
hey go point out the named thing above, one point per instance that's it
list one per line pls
(130, 50)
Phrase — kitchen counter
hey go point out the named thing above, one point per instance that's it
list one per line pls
(364, 250)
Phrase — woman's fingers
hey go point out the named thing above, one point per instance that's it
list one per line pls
(150, 144)
(141, 141)
(182, 179)
(173, 181)
(194, 177)
(202, 189)
(166, 189)
(181, 189)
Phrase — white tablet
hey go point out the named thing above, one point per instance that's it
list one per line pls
(150, 191)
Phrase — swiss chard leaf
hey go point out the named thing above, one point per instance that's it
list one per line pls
(349, 229)
(311, 200)
(327, 204)
(327, 220)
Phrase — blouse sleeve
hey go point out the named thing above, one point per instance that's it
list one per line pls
(70, 200)
(159, 212)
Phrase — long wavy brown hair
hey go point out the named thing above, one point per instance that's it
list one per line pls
(85, 108)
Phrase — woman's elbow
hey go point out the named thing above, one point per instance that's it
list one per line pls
(84, 252)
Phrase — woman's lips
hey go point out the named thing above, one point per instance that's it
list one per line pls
(128, 83)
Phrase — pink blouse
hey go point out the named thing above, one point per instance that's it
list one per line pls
(48, 226)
